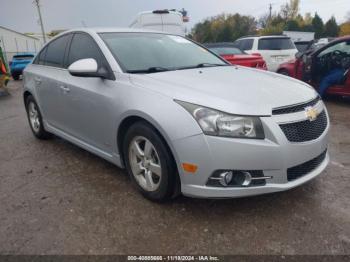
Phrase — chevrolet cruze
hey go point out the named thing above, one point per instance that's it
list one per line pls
(176, 116)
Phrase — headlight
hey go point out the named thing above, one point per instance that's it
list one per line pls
(216, 123)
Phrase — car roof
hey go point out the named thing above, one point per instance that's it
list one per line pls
(113, 30)
(264, 36)
(221, 44)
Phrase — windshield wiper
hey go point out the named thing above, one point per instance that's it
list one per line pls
(201, 65)
(153, 69)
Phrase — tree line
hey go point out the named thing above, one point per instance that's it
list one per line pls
(229, 27)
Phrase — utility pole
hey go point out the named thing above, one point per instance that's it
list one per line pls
(270, 12)
(36, 2)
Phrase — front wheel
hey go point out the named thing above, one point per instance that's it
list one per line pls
(15, 77)
(149, 162)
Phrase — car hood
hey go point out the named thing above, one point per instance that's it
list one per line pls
(231, 89)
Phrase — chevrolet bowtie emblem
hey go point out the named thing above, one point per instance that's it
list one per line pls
(311, 113)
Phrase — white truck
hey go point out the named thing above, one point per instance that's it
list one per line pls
(160, 20)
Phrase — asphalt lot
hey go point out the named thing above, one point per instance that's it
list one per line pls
(56, 198)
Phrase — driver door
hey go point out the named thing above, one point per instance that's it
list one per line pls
(88, 101)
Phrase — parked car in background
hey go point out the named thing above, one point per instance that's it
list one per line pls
(288, 68)
(274, 49)
(179, 118)
(312, 66)
(160, 20)
(236, 56)
(18, 63)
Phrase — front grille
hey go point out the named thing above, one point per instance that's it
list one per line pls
(305, 168)
(295, 108)
(305, 130)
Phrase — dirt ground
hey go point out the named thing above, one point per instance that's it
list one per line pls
(56, 198)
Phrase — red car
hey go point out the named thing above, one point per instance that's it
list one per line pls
(236, 56)
(313, 65)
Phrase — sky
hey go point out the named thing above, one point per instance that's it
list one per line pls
(22, 16)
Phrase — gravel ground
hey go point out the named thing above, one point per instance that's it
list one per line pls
(56, 198)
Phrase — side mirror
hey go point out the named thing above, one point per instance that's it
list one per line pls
(87, 68)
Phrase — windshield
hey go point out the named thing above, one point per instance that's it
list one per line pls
(152, 52)
(226, 50)
(275, 44)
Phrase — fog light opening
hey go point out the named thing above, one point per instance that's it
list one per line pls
(243, 178)
(226, 178)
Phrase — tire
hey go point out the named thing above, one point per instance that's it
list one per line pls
(160, 185)
(283, 72)
(35, 119)
(15, 77)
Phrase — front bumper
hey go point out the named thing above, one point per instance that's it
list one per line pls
(273, 155)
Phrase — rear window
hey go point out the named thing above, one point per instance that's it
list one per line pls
(23, 57)
(244, 44)
(247, 44)
(226, 50)
(275, 44)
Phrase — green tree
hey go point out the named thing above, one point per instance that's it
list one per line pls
(331, 28)
(318, 26)
(292, 25)
(224, 28)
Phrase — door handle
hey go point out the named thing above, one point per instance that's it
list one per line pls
(65, 89)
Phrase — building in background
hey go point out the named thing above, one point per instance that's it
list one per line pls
(13, 43)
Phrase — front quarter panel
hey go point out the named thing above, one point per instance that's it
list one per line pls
(168, 117)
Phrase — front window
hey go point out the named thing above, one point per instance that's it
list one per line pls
(275, 44)
(343, 47)
(142, 52)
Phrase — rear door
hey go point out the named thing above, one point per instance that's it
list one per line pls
(48, 72)
(276, 50)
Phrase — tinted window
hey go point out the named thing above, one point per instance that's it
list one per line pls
(247, 44)
(275, 44)
(238, 44)
(82, 47)
(23, 57)
(226, 50)
(40, 59)
(55, 51)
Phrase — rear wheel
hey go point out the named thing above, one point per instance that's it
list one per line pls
(15, 77)
(149, 162)
(35, 119)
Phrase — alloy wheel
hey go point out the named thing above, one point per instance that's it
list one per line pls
(145, 163)
(34, 117)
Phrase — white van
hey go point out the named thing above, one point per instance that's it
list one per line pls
(160, 20)
(274, 49)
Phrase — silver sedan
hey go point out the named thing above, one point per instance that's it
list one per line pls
(175, 115)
